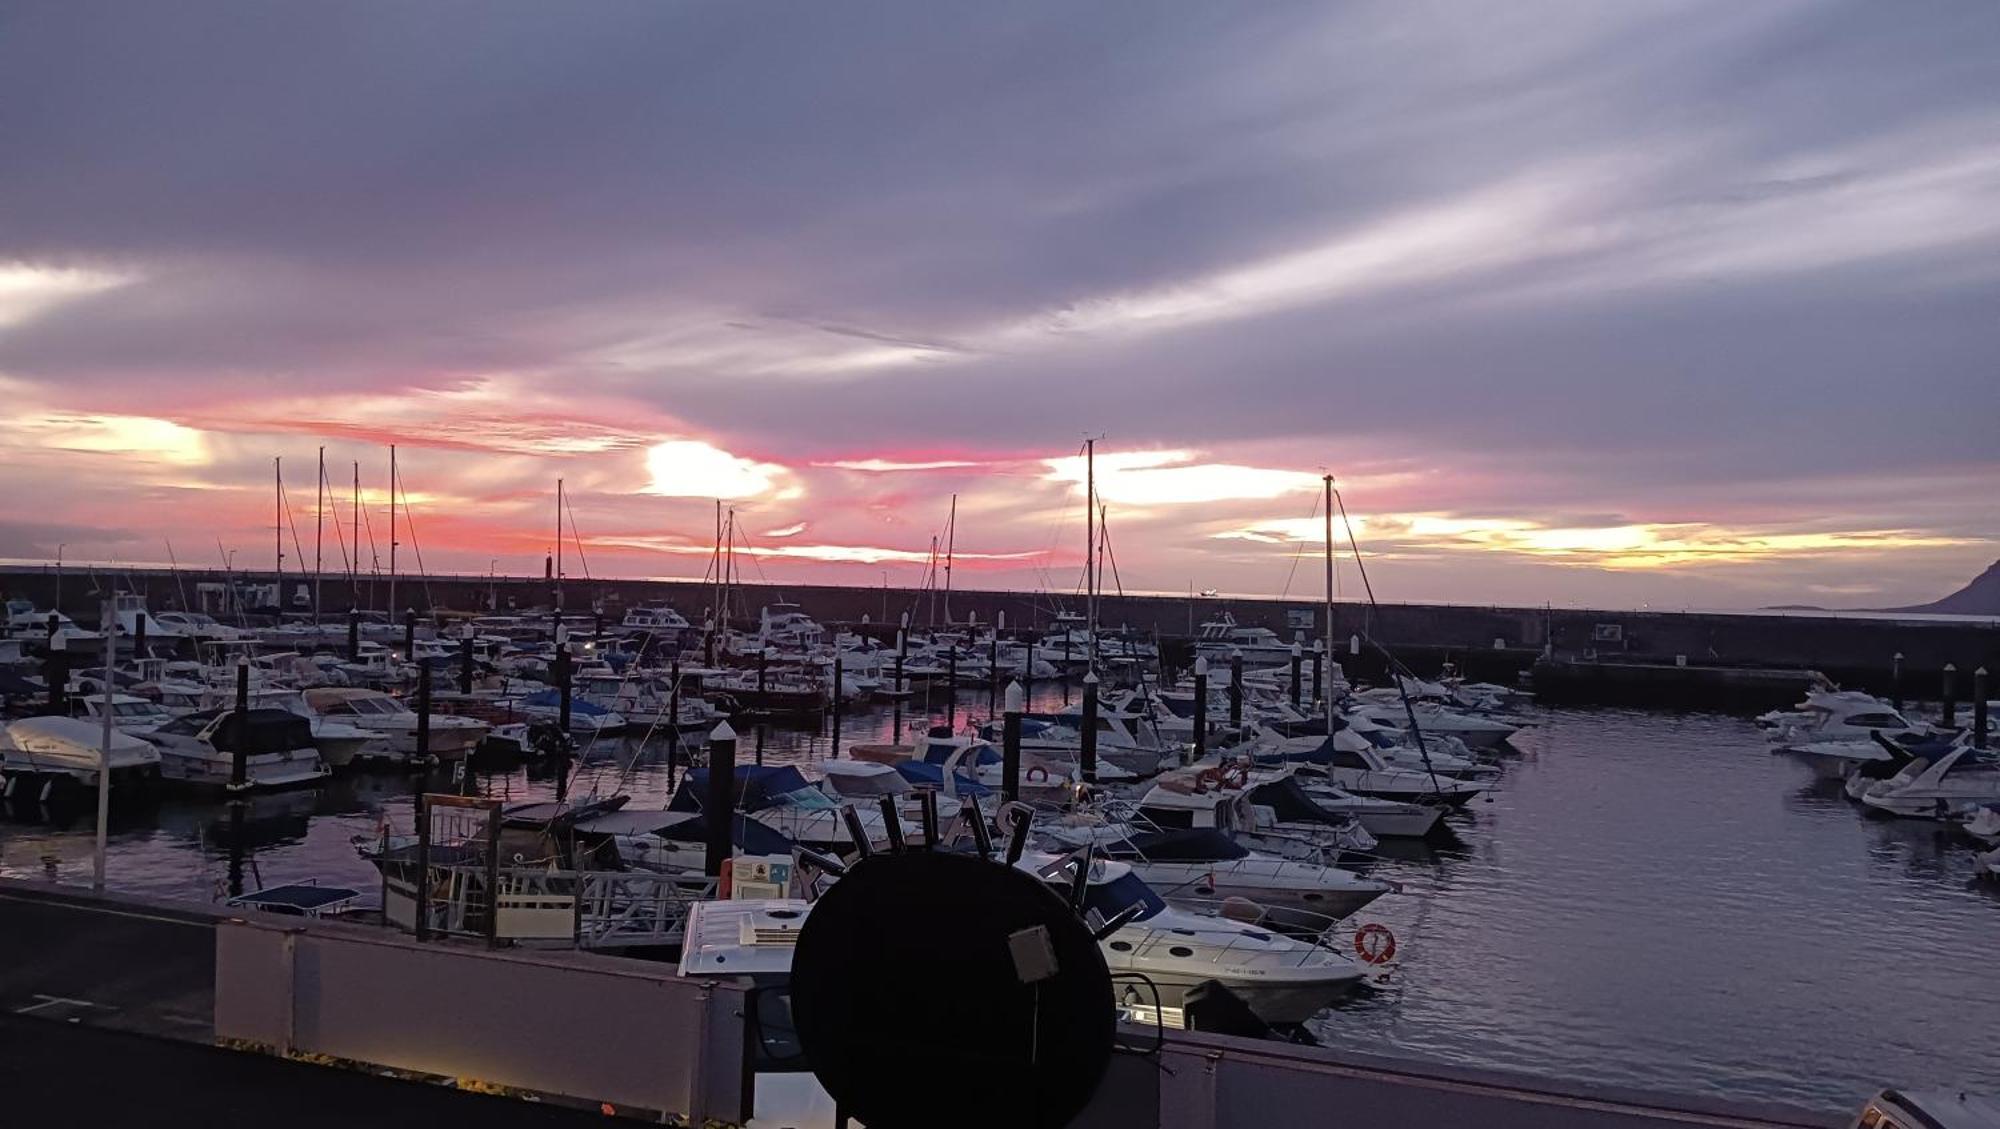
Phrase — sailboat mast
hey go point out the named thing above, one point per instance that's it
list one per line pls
(392, 533)
(354, 564)
(278, 529)
(1090, 545)
(1326, 640)
(559, 563)
(950, 543)
(319, 530)
(715, 602)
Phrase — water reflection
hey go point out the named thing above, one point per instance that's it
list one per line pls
(1647, 900)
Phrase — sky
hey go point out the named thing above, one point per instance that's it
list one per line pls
(1621, 304)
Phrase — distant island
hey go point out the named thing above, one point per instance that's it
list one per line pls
(1980, 598)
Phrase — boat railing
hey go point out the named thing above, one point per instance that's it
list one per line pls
(1317, 929)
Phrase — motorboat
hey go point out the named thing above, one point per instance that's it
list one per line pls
(451, 737)
(1125, 743)
(586, 719)
(668, 841)
(1433, 719)
(1222, 638)
(1441, 754)
(128, 607)
(864, 784)
(1219, 799)
(130, 714)
(1844, 715)
(1355, 766)
(1208, 864)
(199, 749)
(1292, 803)
(339, 743)
(643, 704)
(48, 749)
(781, 798)
(660, 621)
(1171, 949)
(1961, 779)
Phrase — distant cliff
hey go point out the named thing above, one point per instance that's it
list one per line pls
(1981, 597)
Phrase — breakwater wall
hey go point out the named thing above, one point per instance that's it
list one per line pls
(1485, 642)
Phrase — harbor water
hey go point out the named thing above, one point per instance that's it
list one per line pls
(1647, 900)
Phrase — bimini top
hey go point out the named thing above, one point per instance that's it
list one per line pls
(756, 787)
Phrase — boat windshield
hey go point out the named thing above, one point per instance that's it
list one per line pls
(1108, 898)
(811, 799)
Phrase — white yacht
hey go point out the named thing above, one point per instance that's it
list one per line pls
(48, 748)
(199, 749)
(1284, 794)
(130, 714)
(1843, 715)
(1434, 719)
(1952, 785)
(1221, 639)
(127, 607)
(451, 737)
(1352, 764)
(660, 621)
(1282, 979)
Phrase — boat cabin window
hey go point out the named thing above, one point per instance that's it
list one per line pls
(1878, 721)
(189, 726)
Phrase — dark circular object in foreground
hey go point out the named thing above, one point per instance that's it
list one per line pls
(911, 1009)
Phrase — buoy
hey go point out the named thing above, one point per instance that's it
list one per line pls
(1374, 943)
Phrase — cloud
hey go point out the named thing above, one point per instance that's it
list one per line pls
(1619, 289)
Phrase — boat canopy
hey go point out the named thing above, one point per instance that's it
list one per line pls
(756, 787)
(920, 774)
(1202, 844)
(552, 700)
(1290, 802)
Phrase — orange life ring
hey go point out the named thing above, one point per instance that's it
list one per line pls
(1240, 771)
(1033, 769)
(1374, 943)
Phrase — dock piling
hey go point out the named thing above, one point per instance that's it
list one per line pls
(424, 712)
(1010, 744)
(1200, 708)
(1087, 758)
(719, 806)
(353, 634)
(1298, 654)
(239, 767)
(1896, 681)
(1950, 712)
(838, 679)
(1236, 690)
(1979, 719)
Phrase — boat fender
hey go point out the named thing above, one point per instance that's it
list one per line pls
(1374, 943)
(1035, 768)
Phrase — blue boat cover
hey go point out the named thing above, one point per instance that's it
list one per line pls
(1200, 844)
(757, 787)
(552, 699)
(919, 773)
(749, 835)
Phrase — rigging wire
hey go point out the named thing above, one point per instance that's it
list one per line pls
(1396, 668)
(1300, 553)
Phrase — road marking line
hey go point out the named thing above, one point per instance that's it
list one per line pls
(59, 1001)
